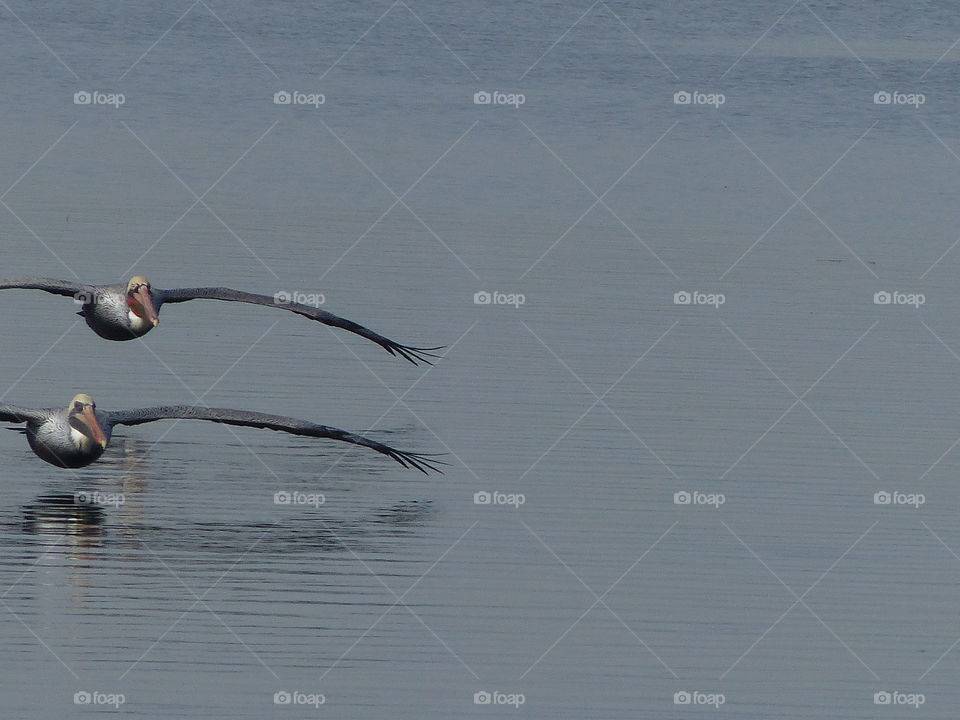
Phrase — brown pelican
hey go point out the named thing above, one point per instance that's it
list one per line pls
(77, 435)
(127, 311)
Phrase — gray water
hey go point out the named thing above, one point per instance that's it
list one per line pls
(598, 199)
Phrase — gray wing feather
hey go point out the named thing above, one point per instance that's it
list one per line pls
(14, 414)
(412, 354)
(246, 418)
(67, 288)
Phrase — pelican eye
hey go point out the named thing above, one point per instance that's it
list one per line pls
(78, 407)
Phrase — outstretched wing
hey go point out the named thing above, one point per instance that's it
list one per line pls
(14, 414)
(247, 418)
(412, 354)
(67, 288)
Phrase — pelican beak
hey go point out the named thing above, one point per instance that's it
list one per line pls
(143, 305)
(89, 420)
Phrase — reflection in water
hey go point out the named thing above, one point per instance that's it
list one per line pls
(63, 514)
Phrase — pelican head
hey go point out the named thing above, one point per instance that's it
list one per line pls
(82, 417)
(140, 300)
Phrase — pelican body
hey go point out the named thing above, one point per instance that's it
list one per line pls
(126, 311)
(77, 435)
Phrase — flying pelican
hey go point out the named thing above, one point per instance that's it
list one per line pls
(127, 311)
(77, 435)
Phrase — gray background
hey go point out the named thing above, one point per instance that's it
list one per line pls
(399, 198)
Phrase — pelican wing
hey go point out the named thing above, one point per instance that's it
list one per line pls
(14, 414)
(67, 288)
(412, 354)
(247, 418)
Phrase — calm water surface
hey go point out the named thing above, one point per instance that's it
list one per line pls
(783, 589)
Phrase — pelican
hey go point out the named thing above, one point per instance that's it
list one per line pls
(77, 435)
(131, 310)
